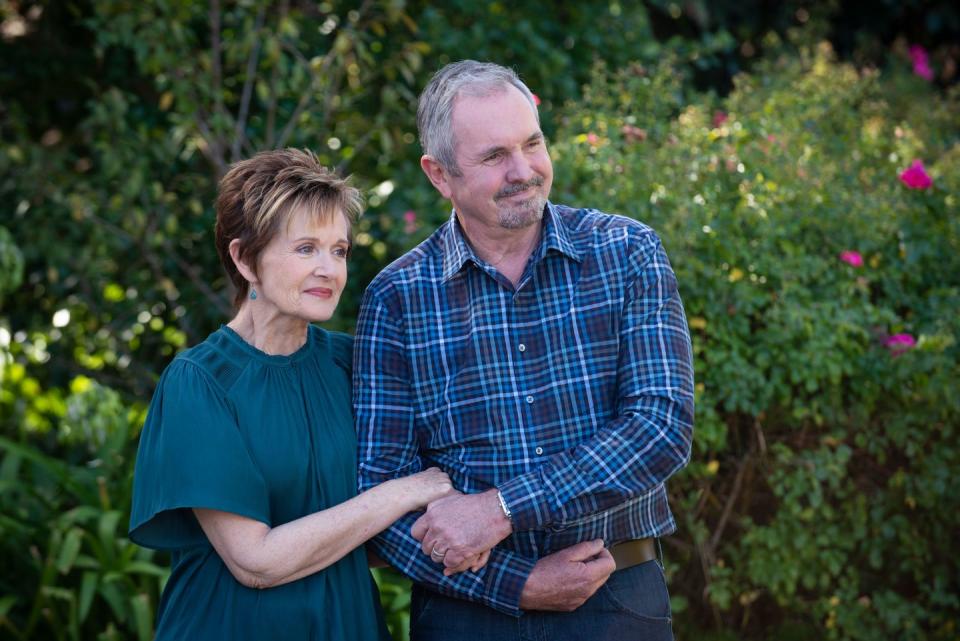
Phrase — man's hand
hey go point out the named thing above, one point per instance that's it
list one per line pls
(563, 580)
(457, 530)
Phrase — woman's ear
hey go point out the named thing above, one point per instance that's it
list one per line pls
(245, 270)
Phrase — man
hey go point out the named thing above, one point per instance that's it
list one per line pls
(540, 355)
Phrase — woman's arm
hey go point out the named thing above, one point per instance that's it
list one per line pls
(259, 556)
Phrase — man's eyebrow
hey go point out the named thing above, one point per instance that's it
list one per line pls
(489, 151)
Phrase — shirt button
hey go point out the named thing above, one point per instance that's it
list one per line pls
(529, 399)
(539, 450)
(522, 347)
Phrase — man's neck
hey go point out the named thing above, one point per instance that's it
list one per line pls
(507, 250)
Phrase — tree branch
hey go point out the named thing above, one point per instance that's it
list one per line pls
(274, 75)
(198, 281)
(216, 50)
(306, 97)
(239, 133)
(731, 501)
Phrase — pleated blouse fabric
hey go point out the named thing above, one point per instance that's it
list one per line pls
(268, 437)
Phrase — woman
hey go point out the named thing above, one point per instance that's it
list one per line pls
(246, 470)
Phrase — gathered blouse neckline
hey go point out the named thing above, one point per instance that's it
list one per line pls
(273, 359)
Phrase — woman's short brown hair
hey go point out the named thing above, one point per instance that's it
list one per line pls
(259, 195)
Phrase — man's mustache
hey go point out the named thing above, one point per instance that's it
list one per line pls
(510, 190)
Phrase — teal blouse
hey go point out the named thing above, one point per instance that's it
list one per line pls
(268, 437)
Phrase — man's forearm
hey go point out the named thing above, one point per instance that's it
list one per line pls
(461, 526)
(498, 585)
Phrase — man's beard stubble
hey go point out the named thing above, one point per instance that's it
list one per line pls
(526, 212)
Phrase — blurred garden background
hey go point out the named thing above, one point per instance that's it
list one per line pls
(801, 161)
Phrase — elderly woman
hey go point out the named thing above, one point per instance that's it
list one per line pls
(246, 470)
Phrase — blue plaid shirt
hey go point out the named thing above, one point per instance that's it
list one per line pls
(572, 393)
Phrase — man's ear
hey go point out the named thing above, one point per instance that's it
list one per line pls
(437, 174)
(245, 270)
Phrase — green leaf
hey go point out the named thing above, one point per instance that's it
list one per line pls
(10, 468)
(69, 549)
(88, 588)
(145, 567)
(142, 616)
(6, 604)
(107, 530)
(112, 594)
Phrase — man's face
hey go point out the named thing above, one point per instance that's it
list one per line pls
(506, 172)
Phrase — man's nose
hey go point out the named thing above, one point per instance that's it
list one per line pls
(520, 170)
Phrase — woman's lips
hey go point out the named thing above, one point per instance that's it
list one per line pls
(320, 292)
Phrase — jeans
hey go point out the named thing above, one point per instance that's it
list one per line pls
(633, 605)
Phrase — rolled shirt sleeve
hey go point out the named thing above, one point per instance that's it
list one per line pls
(389, 449)
(650, 438)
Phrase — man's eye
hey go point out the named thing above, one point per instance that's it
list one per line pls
(492, 158)
(533, 144)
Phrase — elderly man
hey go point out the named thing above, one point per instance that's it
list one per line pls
(539, 354)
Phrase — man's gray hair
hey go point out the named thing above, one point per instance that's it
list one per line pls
(435, 107)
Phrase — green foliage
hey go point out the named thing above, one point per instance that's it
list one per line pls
(822, 484)
(820, 500)
(69, 571)
(395, 599)
(11, 263)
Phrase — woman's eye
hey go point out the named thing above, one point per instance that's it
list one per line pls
(340, 252)
(305, 249)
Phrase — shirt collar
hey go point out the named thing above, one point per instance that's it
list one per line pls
(457, 251)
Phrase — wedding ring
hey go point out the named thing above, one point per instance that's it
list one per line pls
(434, 554)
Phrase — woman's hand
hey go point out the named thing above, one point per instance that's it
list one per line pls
(425, 487)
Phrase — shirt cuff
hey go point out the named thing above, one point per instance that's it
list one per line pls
(506, 574)
(527, 501)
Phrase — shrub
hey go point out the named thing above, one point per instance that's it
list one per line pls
(69, 571)
(822, 294)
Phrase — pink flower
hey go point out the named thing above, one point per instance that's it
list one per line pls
(632, 133)
(536, 99)
(852, 258)
(921, 62)
(916, 177)
(899, 343)
(719, 117)
(410, 221)
(592, 138)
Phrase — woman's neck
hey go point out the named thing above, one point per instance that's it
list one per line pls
(268, 330)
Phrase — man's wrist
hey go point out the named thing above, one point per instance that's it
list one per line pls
(503, 521)
(504, 507)
(527, 502)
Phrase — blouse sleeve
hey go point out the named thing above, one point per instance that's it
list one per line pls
(191, 455)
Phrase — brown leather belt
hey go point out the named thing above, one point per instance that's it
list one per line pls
(631, 553)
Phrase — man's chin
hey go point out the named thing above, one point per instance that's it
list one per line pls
(523, 214)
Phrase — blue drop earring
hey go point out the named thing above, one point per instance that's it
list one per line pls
(253, 294)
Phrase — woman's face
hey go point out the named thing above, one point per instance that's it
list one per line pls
(303, 270)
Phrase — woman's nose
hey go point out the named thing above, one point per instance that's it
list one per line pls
(322, 267)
